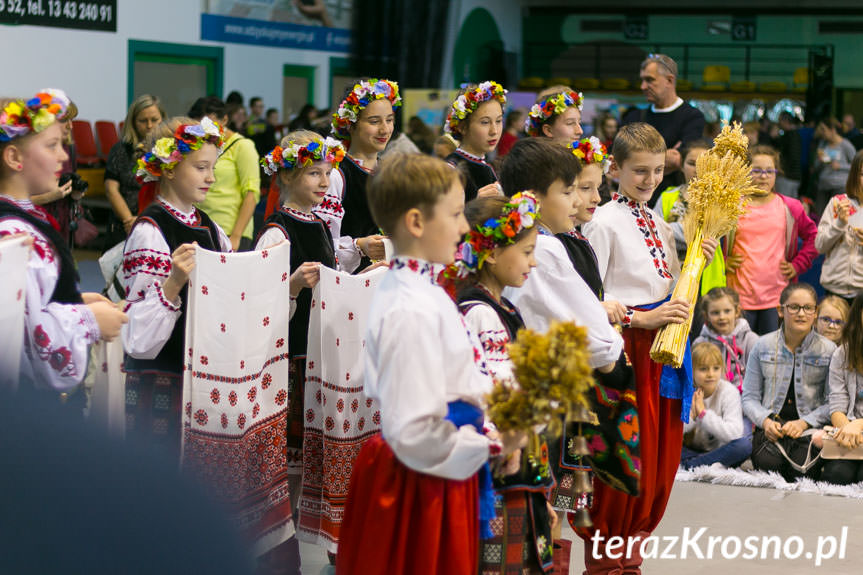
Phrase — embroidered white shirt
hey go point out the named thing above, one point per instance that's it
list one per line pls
(418, 358)
(57, 336)
(332, 212)
(635, 252)
(146, 265)
(554, 290)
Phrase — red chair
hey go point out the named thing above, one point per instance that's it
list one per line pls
(85, 144)
(107, 134)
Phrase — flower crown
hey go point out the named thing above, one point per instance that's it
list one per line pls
(552, 105)
(363, 94)
(591, 151)
(299, 156)
(168, 152)
(19, 118)
(468, 102)
(518, 214)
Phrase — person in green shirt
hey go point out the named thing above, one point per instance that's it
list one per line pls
(231, 200)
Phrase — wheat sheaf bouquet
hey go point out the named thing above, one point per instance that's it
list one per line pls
(553, 374)
(715, 200)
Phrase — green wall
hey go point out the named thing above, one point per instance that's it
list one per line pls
(471, 57)
(551, 27)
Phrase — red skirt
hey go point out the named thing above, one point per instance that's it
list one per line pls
(661, 439)
(401, 521)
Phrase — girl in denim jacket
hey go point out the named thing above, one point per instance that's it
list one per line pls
(785, 388)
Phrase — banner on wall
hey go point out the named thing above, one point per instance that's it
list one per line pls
(99, 15)
(306, 24)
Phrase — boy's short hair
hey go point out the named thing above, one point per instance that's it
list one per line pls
(704, 354)
(636, 137)
(407, 181)
(535, 164)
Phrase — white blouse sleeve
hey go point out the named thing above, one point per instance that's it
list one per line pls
(555, 291)
(414, 400)
(57, 336)
(273, 236)
(332, 212)
(484, 322)
(146, 265)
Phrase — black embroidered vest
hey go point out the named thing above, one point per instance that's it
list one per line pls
(176, 233)
(66, 290)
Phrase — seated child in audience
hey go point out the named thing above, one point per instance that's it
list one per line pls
(846, 398)
(417, 501)
(714, 433)
(785, 388)
(725, 327)
(832, 315)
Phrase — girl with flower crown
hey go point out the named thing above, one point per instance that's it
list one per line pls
(157, 259)
(60, 322)
(364, 123)
(476, 120)
(302, 166)
(496, 253)
(556, 114)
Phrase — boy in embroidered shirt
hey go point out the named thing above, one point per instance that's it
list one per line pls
(414, 505)
(638, 270)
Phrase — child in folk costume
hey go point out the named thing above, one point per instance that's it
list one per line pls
(595, 162)
(496, 253)
(364, 123)
(638, 264)
(415, 500)
(157, 259)
(60, 322)
(557, 291)
(556, 114)
(302, 164)
(476, 119)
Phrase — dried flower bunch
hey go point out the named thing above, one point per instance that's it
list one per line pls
(553, 374)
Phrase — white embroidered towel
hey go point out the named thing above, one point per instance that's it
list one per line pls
(235, 385)
(14, 253)
(339, 418)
